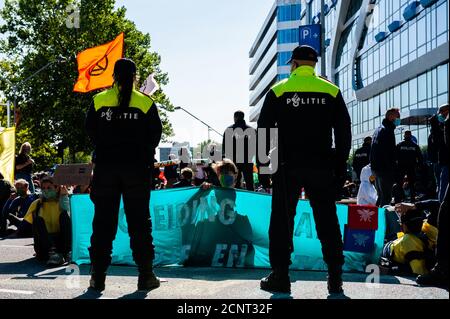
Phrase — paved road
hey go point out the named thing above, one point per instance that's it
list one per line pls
(22, 277)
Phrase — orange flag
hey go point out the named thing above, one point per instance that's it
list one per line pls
(96, 65)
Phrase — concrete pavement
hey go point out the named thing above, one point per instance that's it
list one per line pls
(21, 277)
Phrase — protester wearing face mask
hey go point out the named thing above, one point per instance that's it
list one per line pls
(383, 157)
(16, 209)
(227, 173)
(49, 217)
(228, 228)
(24, 165)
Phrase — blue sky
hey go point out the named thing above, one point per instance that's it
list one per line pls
(204, 47)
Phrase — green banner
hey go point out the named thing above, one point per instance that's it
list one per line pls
(217, 228)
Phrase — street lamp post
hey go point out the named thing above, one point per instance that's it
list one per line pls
(59, 59)
(195, 117)
(322, 39)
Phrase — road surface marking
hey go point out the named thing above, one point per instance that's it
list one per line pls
(15, 246)
(20, 292)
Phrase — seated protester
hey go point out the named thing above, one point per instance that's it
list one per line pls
(413, 250)
(186, 178)
(3, 214)
(49, 216)
(171, 172)
(367, 193)
(162, 181)
(155, 175)
(200, 175)
(5, 191)
(228, 227)
(349, 189)
(211, 175)
(82, 189)
(18, 208)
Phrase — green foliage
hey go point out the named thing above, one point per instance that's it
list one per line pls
(45, 156)
(34, 34)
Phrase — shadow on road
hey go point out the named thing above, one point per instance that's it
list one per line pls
(31, 267)
(90, 294)
(136, 295)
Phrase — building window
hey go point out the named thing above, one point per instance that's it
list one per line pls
(354, 7)
(344, 46)
(288, 36)
(289, 12)
(283, 58)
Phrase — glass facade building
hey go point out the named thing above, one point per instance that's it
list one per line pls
(273, 46)
(385, 54)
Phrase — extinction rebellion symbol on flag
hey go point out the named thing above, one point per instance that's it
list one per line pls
(99, 68)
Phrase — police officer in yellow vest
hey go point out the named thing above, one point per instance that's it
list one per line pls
(125, 128)
(306, 109)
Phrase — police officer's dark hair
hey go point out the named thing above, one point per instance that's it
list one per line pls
(408, 133)
(124, 73)
(239, 115)
(1, 176)
(368, 139)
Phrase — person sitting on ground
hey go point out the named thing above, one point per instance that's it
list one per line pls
(171, 172)
(3, 221)
(200, 175)
(82, 189)
(50, 220)
(413, 250)
(211, 175)
(186, 178)
(367, 194)
(349, 189)
(17, 209)
(228, 227)
(5, 191)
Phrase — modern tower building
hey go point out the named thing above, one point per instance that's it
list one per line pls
(382, 54)
(279, 35)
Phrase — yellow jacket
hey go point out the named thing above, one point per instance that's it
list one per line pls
(49, 211)
(409, 248)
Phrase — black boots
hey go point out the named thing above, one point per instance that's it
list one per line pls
(97, 281)
(277, 281)
(147, 281)
(334, 283)
(435, 278)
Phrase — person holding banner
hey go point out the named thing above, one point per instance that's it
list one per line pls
(125, 129)
(306, 109)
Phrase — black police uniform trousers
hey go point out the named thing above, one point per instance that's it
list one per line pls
(110, 182)
(442, 239)
(246, 171)
(320, 188)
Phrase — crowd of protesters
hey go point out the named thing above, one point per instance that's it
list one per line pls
(409, 183)
(36, 207)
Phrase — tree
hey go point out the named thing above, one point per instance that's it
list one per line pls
(35, 34)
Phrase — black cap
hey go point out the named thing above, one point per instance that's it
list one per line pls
(124, 66)
(303, 52)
